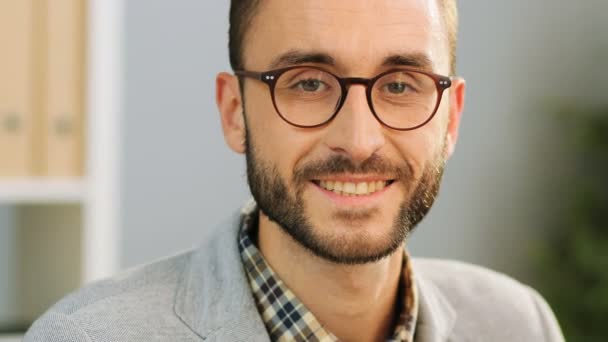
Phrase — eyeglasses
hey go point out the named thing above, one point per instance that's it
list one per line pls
(305, 96)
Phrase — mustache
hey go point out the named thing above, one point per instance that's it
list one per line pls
(340, 164)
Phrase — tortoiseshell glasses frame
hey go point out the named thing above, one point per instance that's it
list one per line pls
(439, 82)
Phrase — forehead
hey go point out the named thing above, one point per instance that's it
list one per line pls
(357, 34)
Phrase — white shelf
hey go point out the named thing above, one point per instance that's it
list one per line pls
(10, 337)
(42, 191)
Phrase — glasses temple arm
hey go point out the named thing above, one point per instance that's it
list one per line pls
(250, 74)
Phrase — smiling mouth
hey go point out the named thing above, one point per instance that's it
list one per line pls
(353, 188)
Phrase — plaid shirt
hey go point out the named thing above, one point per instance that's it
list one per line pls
(285, 317)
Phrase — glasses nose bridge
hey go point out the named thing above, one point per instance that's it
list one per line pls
(348, 81)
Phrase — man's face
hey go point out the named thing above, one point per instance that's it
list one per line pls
(289, 167)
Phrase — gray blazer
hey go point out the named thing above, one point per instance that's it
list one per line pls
(204, 295)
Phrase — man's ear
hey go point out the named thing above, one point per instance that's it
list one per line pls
(230, 105)
(457, 92)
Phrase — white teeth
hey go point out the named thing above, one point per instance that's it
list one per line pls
(361, 188)
(350, 188)
(353, 189)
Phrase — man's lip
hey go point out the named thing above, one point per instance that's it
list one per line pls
(353, 179)
(386, 182)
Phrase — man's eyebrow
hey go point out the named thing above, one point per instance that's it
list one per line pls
(296, 57)
(417, 60)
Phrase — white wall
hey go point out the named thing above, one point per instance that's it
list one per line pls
(178, 176)
(517, 56)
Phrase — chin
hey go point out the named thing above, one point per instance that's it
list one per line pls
(354, 242)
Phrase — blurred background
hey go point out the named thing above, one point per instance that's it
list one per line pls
(111, 152)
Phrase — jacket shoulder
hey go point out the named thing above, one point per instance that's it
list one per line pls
(467, 279)
(134, 301)
(487, 301)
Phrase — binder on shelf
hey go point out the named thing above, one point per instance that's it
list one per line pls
(17, 73)
(64, 88)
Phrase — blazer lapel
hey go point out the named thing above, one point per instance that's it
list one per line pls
(436, 316)
(213, 297)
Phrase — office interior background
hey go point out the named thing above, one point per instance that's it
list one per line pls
(152, 175)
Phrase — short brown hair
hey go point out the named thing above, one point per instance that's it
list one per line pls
(449, 10)
(242, 13)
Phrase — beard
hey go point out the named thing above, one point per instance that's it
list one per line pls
(288, 210)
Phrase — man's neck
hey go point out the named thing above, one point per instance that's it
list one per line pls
(353, 302)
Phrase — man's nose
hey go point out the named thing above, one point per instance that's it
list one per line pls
(355, 131)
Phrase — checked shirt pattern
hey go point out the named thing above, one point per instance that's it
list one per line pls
(285, 317)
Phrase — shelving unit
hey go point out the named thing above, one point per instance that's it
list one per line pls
(68, 229)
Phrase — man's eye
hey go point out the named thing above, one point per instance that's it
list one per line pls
(310, 85)
(397, 87)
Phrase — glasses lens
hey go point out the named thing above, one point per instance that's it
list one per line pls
(307, 96)
(404, 99)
